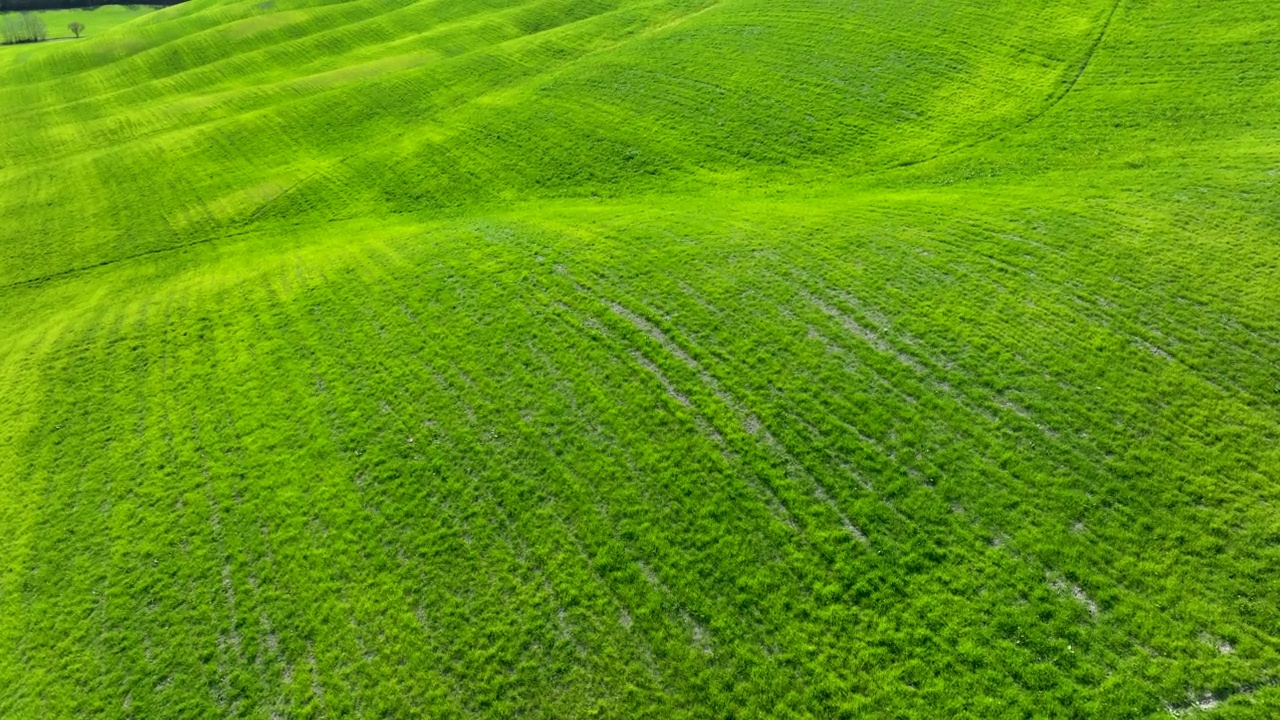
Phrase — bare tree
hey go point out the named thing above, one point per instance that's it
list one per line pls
(76, 28)
(36, 30)
(14, 29)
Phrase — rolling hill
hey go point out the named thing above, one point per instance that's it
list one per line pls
(643, 358)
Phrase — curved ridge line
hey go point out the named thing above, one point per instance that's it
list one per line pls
(1053, 102)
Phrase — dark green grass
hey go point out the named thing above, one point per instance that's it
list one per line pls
(460, 359)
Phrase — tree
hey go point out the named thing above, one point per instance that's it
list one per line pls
(76, 28)
(22, 28)
(11, 29)
(35, 27)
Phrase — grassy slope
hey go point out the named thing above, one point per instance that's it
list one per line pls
(482, 358)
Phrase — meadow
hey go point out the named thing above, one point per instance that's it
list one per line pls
(95, 20)
(643, 358)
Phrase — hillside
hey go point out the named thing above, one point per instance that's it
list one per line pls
(643, 358)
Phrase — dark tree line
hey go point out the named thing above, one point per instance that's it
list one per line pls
(27, 5)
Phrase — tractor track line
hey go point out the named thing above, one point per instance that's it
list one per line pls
(115, 261)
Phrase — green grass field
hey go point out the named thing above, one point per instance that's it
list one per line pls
(643, 358)
(96, 22)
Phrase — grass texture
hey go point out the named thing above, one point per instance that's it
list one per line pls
(643, 358)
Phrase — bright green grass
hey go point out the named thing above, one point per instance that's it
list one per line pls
(557, 359)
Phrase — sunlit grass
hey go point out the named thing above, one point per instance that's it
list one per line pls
(643, 359)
